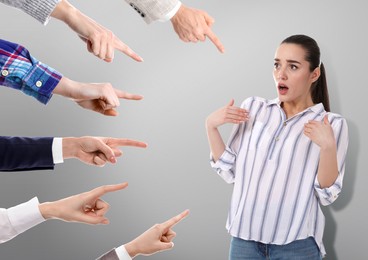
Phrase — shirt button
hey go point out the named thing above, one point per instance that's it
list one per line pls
(38, 83)
(4, 73)
(284, 123)
(277, 138)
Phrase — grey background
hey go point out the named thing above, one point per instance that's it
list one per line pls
(182, 84)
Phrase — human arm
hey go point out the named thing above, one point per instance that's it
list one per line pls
(96, 150)
(42, 153)
(226, 114)
(21, 71)
(332, 140)
(100, 41)
(25, 153)
(193, 25)
(99, 97)
(190, 24)
(156, 239)
(85, 208)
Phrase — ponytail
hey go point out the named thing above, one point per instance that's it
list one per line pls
(319, 90)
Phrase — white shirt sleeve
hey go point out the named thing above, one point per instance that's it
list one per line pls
(57, 150)
(16, 220)
(170, 14)
(122, 253)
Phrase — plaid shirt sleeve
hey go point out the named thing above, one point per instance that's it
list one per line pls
(21, 71)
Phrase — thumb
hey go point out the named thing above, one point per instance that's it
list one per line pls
(325, 120)
(231, 103)
(107, 151)
(166, 246)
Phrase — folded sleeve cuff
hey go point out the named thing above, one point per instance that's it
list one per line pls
(327, 195)
(224, 165)
(25, 216)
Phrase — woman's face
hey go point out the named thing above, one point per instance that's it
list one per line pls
(292, 76)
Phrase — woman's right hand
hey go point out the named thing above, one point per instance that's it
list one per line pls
(227, 114)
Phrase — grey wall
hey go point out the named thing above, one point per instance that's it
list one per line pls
(182, 83)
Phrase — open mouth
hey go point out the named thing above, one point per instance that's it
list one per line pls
(282, 88)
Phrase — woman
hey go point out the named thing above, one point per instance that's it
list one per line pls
(285, 157)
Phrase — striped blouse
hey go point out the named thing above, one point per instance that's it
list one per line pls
(273, 165)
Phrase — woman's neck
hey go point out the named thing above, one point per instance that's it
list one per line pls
(293, 108)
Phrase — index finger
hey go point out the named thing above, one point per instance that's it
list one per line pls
(99, 191)
(126, 95)
(120, 46)
(126, 142)
(175, 220)
(215, 40)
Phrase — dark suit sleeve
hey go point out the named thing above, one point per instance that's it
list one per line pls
(26, 153)
(111, 255)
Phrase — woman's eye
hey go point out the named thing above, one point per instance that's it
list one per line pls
(276, 65)
(293, 67)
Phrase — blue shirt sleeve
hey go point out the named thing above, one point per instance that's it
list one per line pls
(21, 71)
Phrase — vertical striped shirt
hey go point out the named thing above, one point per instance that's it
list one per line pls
(21, 71)
(273, 165)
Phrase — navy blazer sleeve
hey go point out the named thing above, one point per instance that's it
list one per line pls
(26, 153)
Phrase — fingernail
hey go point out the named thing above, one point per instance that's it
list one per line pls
(113, 159)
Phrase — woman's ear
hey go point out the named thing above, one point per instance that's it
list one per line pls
(315, 74)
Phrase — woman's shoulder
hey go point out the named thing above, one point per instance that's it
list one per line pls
(335, 118)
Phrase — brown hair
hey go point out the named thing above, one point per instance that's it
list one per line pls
(319, 91)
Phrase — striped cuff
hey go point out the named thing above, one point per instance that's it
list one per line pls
(327, 195)
(40, 9)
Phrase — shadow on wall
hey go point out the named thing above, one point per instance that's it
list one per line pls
(346, 194)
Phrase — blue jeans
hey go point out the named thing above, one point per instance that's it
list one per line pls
(305, 249)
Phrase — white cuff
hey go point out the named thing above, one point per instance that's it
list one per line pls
(57, 150)
(122, 253)
(25, 216)
(170, 14)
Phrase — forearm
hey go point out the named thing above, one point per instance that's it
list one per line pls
(327, 168)
(217, 145)
(64, 11)
(65, 87)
